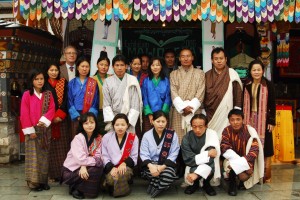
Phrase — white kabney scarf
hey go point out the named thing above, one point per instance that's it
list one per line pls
(219, 120)
(239, 164)
(203, 170)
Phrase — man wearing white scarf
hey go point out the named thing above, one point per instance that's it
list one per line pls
(201, 151)
(122, 94)
(243, 153)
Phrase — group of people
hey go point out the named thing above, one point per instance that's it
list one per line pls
(167, 120)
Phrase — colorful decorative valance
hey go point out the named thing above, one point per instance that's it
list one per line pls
(162, 10)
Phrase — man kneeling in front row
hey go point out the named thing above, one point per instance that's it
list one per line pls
(201, 152)
(243, 153)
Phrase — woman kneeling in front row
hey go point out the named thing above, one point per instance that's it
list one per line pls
(159, 150)
(120, 153)
(83, 166)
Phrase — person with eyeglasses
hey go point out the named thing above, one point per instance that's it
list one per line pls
(67, 70)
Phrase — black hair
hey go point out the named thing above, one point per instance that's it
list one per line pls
(100, 59)
(162, 73)
(79, 61)
(84, 118)
(186, 48)
(33, 73)
(48, 67)
(253, 63)
(236, 112)
(169, 51)
(120, 116)
(200, 116)
(119, 58)
(216, 51)
(159, 114)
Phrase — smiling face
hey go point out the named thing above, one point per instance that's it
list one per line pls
(103, 67)
(219, 61)
(89, 126)
(70, 55)
(119, 69)
(136, 65)
(53, 72)
(160, 124)
(257, 72)
(186, 58)
(38, 82)
(83, 68)
(120, 126)
(156, 67)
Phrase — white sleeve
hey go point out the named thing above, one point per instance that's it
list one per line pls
(202, 158)
(195, 103)
(203, 170)
(230, 154)
(179, 104)
(239, 165)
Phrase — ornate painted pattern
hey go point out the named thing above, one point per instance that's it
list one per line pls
(161, 10)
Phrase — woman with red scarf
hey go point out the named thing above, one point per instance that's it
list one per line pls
(60, 137)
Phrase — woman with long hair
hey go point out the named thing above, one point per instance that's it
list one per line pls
(159, 150)
(156, 93)
(60, 136)
(37, 112)
(100, 76)
(120, 153)
(83, 167)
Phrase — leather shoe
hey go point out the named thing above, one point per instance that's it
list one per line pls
(232, 190)
(77, 194)
(45, 186)
(191, 189)
(209, 190)
(37, 189)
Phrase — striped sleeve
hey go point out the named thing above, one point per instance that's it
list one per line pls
(253, 153)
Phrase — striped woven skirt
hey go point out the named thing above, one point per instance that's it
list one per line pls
(161, 182)
(90, 188)
(59, 150)
(36, 159)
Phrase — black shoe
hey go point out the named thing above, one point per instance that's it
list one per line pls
(77, 194)
(209, 190)
(155, 193)
(241, 186)
(37, 189)
(232, 190)
(71, 189)
(192, 188)
(45, 186)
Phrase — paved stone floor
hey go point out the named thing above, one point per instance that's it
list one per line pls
(285, 185)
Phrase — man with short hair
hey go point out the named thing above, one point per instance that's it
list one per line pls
(145, 63)
(243, 153)
(170, 61)
(201, 151)
(122, 94)
(223, 91)
(68, 70)
(187, 93)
